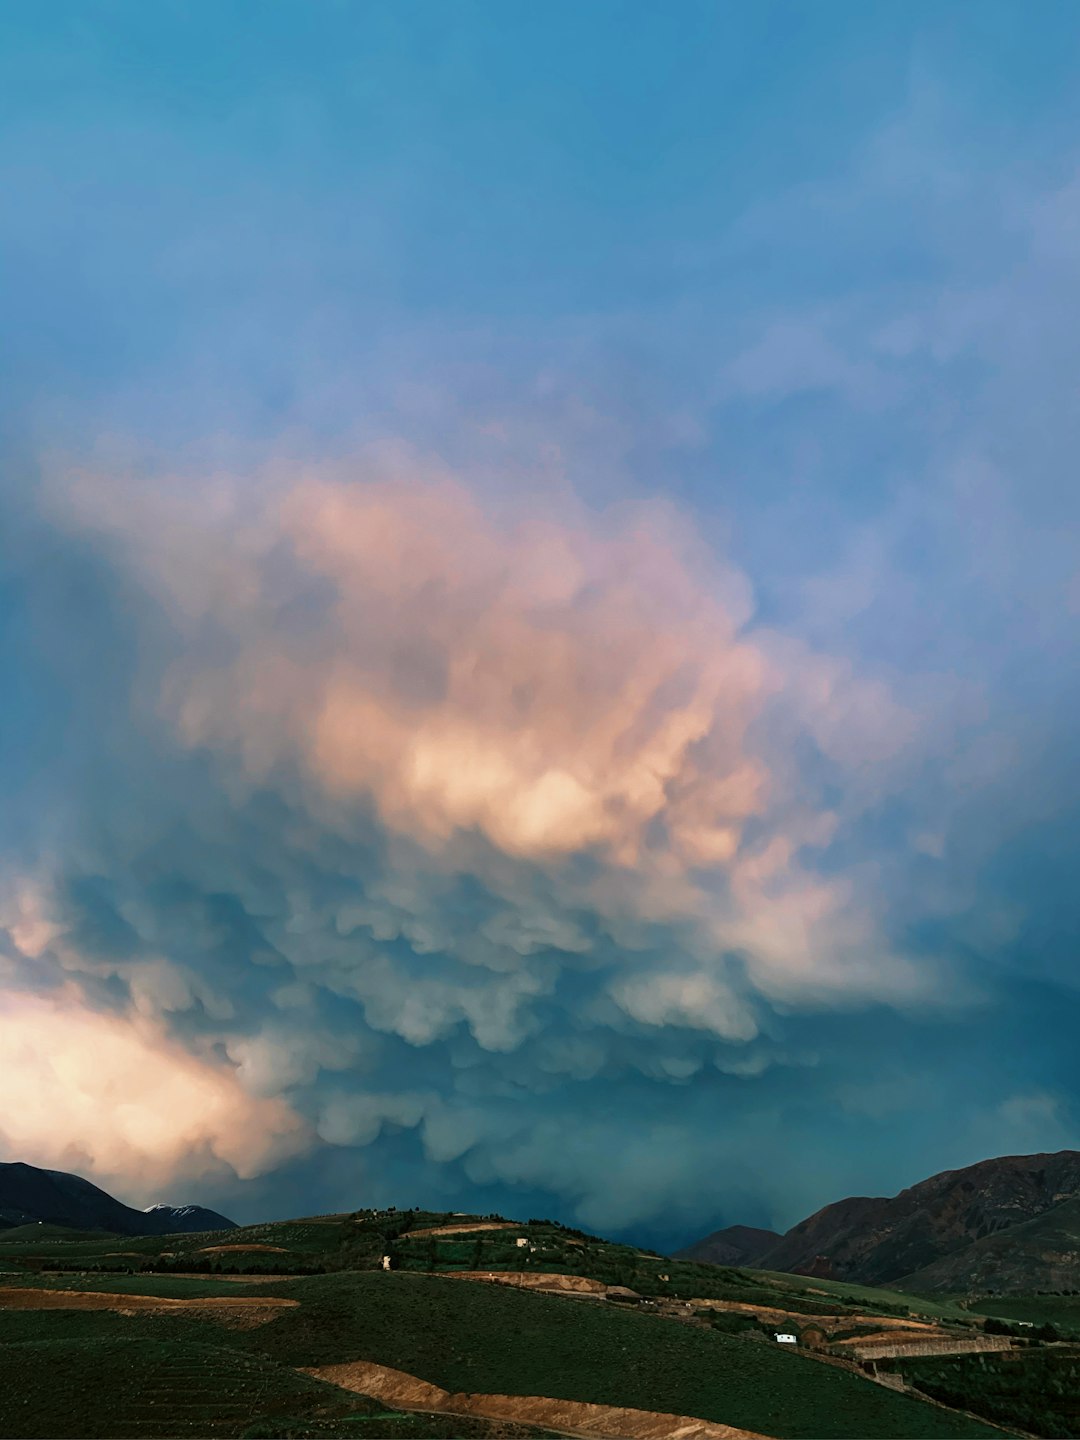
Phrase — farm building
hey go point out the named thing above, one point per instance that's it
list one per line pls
(783, 1338)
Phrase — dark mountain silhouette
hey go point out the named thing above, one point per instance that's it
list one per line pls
(734, 1245)
(929, 1229)
(29, 1195)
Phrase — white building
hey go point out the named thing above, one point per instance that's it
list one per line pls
(386, 1262)
(785, 1339)
(521, 1242)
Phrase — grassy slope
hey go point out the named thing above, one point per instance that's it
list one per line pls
(131, 1384)
(1036, 1390)
(94, 1374)
(1062, 1311)
(871, 1298)
(469, 1336)
(462, 1335)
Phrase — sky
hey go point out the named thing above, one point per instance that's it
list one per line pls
(539, 600)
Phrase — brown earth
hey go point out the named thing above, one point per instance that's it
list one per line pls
(463, 1229)
(797, 1317)
(535, 1280)
(239, 1313)
(567, 1417)
(237, 1249)
(891, 1346)
(554, 1283)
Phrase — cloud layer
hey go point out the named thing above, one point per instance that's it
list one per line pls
(568, 714)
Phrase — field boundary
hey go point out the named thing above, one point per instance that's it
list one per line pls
(578, 1418)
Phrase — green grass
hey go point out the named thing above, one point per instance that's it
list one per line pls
(1061, 1311)
(389, 1425)
(99, 1374)
(130, 1385)
(462, 1335)
(169, 1287)
(874, 1299)
(469, 1336)
(1037, 1390)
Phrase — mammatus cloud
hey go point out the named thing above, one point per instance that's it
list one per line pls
(483, 802)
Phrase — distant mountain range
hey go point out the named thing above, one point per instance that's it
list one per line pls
(1010, 1224)
(734, 1245)
(53, 1197)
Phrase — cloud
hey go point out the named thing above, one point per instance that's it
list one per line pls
(540, 688)
(463, 803)
(540, 842)
(113, 1096)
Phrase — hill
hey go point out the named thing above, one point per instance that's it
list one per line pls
(156, 1357)
(1038, 1254)
(878, 1240)
(29, 1196)
(734, 1245)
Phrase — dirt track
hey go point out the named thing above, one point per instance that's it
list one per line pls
(463, 1229)
(568, 1417)
(534, 1280)
(237, 1249)
(241, 1312)
(886, 1346)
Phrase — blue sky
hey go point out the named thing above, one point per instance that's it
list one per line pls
(538, 601)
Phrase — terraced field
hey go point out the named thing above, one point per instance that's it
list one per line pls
(698, 1344)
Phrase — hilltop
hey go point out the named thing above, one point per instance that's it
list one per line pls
(929, 1229)
(734, 1245)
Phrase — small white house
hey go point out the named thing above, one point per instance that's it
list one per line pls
(782, 1338)
(386, 1262)
(521, 1242)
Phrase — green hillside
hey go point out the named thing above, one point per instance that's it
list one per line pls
(1037, 1391)
(462, 1335)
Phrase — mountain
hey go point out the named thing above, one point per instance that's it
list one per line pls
(928, 1231)
(734, 1245)
(29, 1195)
(187, 1219)
(1038, 1254)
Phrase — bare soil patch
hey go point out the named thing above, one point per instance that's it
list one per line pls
(770, 1314)
(568, 1417)
(463, 1229)
(239, 1313)
(243, 1249)
(535, 1280)
(890, 1346)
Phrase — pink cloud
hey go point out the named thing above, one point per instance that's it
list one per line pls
(112, 1095)
(551, 681)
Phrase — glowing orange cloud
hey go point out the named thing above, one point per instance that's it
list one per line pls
(551, 683)
(112, 1095)
(549, 687)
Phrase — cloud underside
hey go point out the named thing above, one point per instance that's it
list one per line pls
(452, 801)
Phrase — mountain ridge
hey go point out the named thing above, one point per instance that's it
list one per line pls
(926, 1229)
(30, 1195)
